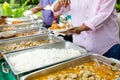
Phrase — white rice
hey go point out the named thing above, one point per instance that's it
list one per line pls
(41, 57)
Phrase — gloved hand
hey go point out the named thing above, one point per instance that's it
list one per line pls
(28, 13)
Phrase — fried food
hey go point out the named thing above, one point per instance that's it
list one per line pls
(1, 55)
(9, 28)
(25, 34)
(16, 22)
(23, 45)
(56, 26)
(2, 21)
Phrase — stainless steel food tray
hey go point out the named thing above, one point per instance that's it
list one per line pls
(11, 27)
(65, 45)
(59, 45)
(33, 31)
(51, 39)
(77, 61)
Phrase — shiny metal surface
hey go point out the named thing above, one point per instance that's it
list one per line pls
(77, 61)
(24, 25)
(58, 45)
(16, 26)
(36, 30)
(52, 39)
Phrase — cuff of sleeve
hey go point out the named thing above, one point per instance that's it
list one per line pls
(91, 26)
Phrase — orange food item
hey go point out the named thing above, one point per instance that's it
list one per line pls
(16, 22)
(9, 28)
(1, 55)
(54, 26)
(86, 71)
(25, 34)
(63, 26)
(2, 21)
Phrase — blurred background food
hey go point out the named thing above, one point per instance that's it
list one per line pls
(2, 20)
(57, 26)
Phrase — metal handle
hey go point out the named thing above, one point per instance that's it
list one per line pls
(5, 70)
(117, 61)
(60, 37)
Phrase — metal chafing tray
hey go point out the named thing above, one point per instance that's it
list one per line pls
(77, 61)
(60, 45)
(27, 32)
(6, 45)
(14, 26)
(25, 25)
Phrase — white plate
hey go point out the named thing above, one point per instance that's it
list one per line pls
(61, 30)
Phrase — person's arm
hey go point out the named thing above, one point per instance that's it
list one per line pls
(56, 17)
(76, 30)
(57, 14)
(57, 6)
(55, 20)
(37, 8)
(60, 4)
(106, 8)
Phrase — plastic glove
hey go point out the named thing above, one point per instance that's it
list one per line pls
(28, 13)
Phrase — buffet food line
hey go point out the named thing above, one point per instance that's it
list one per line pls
(32, 52)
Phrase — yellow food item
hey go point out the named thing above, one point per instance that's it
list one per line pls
(9, 28)
(56, 26)
(16, 22)
(25, 34)
(23, 45)
(86, 71)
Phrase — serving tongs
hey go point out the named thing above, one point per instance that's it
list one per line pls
(97, 62)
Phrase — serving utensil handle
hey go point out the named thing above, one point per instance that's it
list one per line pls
(5, 70)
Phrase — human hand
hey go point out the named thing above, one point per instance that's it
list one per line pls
(64, 3)
(28, 13)
(76, 30)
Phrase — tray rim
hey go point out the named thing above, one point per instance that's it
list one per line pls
(51, 67)
(30, 29)
(18, 73)
(33, 36)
